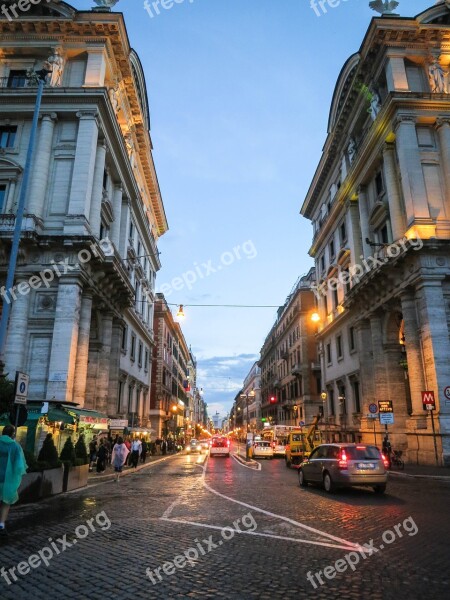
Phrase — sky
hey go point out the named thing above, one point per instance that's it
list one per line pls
(239, 94)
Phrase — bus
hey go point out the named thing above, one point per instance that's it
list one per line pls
(277, 435)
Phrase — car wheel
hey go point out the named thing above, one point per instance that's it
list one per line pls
(301, 478)
(380, 488)
(328, 483)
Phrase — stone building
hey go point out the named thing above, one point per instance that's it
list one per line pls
(290, 373)
(251, 403)
(169, 399)
(380, 207)
(93, 214)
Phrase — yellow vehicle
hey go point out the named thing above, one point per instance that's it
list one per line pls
(300, 444)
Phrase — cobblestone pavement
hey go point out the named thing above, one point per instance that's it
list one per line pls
(125, 536)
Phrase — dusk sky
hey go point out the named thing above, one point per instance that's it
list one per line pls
(239, 94)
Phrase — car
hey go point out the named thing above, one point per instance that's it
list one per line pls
(345, 465)
(205, 444)
(262, 450)
(220, 446)
(193, 446)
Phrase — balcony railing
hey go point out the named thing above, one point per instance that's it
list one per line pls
(7, 223)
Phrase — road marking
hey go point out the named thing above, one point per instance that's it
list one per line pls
(350, 545)
(168, 512)
(257, 533)
(381, 546)
(258, 468)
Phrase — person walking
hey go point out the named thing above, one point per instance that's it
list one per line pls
(102, 456)
(144, 451)
(136, 449)
(119, 457)
(163, 447)
(92, 453)
(12, 468)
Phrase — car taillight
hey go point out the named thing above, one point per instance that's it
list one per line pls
(343, 464)
(385, 461)
(228, 443)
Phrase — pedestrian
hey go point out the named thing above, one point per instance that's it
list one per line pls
(102, 456)
(128, 445)
(136, 449)
(164, 447)
(144, 451)
(92, 453)
(158, 443)
(119, 457)
(12, 468)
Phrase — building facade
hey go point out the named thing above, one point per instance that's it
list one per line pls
(83, 326)
(290, 372)
(250, 403)
(380, 207)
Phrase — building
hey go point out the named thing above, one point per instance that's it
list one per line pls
(380, 207)
(251, 405)
(169, 399)
(82, 323)
(290, 372)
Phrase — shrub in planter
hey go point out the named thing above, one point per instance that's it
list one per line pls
(68, 455)
(81, 450)
(48, 453)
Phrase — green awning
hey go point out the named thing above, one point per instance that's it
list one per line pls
(60, 415)
(86, 416)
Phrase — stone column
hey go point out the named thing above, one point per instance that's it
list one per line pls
(364, 347)
(15, 356)
(355, 236)
(96, 67)
(81, 365)
(413, 183)
(379, 369)
(114, 368)
(95, 215)
(41, 166)
(413, 351)
(364, 221)
(83, 173)
(443, 129)
(124, 227)
(117, 210)
(65, 340)
(395, 202)
(396, 74)
(101, 400)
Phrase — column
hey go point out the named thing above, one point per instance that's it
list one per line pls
(413, 350)
(443, 129)
(101, 400)
(124, 227)
(364, 220)
(41, 166)
(81, 365)
(96, 67)
(396, 74)
(379, 371)
(413, 184)
(65, 340)
(15, 357)
(396, 212)
(364, 347)
(114, 368)
(83, 172)
(355, 236)
(95, 214)
(117, 211)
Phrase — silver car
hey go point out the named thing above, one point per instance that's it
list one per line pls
(344, 465)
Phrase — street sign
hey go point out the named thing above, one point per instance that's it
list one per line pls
(428, 400)
(447, 392)
(22, 382)
(372, 416)
(373, 408)
(386, 418)
(385, 406)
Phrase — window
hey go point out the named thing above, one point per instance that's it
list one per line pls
(119, 397)
(322, 263)
(133, 347)
(332, 251)
(331, 402)
(325, 304)
(329, 354)
(346, 281)
(351, 339)
(124, 339)
(130, 398)
(379, 183)
(343, 232)
(140, 354)
(335, 299)
(146, 360)
(356, 396)
(8, 136)
(17, 78)
(339, 346)
(131, 231)
(2, 198)
(425, 137)
(105, 179)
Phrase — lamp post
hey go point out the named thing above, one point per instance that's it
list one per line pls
(41, 79)
(247, 446)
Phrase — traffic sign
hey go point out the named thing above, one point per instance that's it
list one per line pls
(385, 406)
(302, 423)
(447, 392)
(22, 383)
(428, 400)
(372, 416)
(373, 408)
(386, 418)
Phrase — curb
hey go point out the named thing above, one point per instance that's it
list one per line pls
(251, 464)
(101, 478)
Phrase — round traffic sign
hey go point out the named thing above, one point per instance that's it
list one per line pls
(373, 408)
(447, 392)
(302, 423)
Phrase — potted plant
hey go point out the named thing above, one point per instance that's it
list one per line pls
(76, 469)
(44, 476)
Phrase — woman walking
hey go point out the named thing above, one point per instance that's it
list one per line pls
(102, 456)
(12, 468)
(119, 457)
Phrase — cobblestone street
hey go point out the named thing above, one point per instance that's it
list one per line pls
(180, 505)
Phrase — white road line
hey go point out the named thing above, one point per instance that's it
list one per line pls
(168, 512)
(258, 468)
(269, 535)
(271, 514)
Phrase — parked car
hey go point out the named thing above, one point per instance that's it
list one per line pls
(345, 465)
(262, 450)
(220, 446)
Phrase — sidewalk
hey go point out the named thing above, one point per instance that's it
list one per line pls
(94, 477)
(423, 472)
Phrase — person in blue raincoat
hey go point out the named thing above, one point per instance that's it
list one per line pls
(12, 468)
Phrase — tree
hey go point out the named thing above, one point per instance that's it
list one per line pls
(6, 394)
(68, 452)
(48, 453)
(81, 450)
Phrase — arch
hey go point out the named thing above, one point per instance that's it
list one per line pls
(344, 82)
(436, 15)
(139, 80)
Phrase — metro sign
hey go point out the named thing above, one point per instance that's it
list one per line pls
(428, 400)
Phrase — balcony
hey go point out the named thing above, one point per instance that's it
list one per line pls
(296, 370)
(7, 223)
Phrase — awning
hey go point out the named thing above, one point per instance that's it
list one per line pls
(85, 416)
(141, 430)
